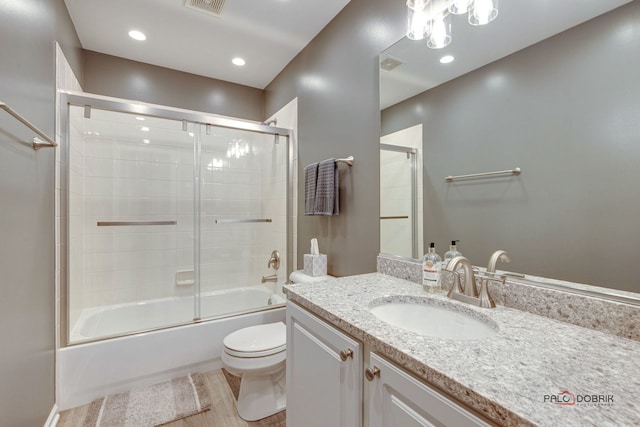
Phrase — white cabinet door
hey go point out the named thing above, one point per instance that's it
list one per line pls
(322, 388)
(396, 399)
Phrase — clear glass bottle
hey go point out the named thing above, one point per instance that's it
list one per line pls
(451, 253)
(431, 264)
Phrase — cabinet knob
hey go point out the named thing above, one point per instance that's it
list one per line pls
(370, 374)
(346, 354)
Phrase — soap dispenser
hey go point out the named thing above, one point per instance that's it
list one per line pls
(431, 264)
(451, 253)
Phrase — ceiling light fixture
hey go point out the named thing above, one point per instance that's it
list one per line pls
(144, 129)
(137, 35)
(431, 19)
(140, 118)
(238, 61)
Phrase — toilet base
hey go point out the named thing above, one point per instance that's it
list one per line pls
(261, 395)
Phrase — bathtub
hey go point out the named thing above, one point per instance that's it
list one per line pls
(116, 320)
(95, 369)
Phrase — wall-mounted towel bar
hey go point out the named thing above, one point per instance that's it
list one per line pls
(348, 160)
(241, 220)
(516, 171)
(36, 142)
(394, 217)
(133, 223)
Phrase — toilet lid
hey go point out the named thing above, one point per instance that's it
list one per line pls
(259, 340)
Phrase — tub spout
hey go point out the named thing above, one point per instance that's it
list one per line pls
(273, 278)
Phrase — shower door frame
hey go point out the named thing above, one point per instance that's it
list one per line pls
(68, 99)
(411, 155)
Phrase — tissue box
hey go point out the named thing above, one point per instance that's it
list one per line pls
(315, 265)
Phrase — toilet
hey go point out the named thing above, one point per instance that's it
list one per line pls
(257, 354)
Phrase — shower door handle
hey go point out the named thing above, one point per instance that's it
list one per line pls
(242, 220)
(133, 223)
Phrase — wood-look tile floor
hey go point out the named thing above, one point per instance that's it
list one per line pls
(223, 411)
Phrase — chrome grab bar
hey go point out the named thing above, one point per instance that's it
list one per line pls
(37, 143)
(395, 217)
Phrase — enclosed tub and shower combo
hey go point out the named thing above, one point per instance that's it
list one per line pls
(172, 221)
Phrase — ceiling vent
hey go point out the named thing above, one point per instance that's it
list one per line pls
(388, 62)
(212, 7)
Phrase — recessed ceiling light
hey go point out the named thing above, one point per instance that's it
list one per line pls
(144, 129)
(137, 35)
(238, 61)
(146, 141)
(140, 118)
(446, 59)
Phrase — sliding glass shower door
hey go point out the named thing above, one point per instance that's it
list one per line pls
(243, 218)
(170, 219)
(130, 221)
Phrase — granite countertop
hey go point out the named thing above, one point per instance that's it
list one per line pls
(505, 377)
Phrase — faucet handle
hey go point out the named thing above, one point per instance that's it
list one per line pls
(491, 276)
(484, 296)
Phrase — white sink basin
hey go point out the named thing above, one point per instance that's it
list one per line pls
(434, 321)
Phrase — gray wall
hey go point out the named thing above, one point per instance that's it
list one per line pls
(122, 78)
(336, 81)
(28, 30)
(567, 112)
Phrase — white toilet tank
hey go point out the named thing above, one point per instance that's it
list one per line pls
(300, 277)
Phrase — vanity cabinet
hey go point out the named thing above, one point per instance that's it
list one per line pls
(324, 373)
(398, 399)
(326, 377)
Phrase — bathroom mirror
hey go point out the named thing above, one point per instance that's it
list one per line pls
(551, 88)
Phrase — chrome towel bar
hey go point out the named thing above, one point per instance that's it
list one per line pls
(36, 142)
(516, 171)
(395, 217)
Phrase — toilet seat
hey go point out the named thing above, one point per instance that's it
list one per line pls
(257, 341)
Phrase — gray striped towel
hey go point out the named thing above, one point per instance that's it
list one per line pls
(327, 188)
(310, 180)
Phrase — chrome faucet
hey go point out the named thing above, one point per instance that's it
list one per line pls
(273, 278)
(467, 291)
(274, 261)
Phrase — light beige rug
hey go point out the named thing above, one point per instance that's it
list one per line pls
(151, 406)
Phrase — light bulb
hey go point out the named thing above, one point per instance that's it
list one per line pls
(440, 32)
(482, 12)
(459, 7)
(417, 21)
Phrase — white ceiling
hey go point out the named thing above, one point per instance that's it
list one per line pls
(268, 34)
(520, 23)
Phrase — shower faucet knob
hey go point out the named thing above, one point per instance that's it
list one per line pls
(274, 261)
